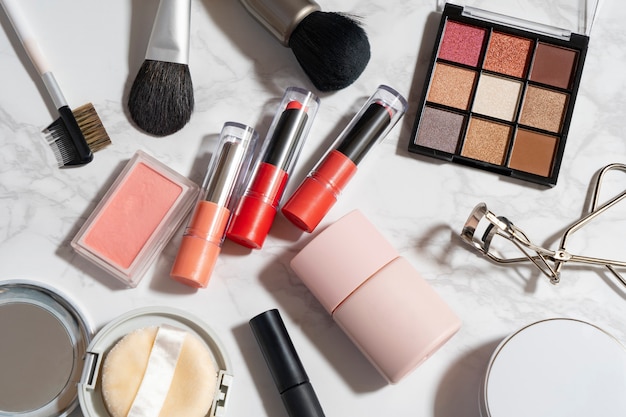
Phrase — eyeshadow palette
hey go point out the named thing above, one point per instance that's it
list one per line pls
(498, 97)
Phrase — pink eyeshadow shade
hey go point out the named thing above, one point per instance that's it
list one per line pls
(462, 43)
(132, 215)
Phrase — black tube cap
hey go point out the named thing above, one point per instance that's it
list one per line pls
(285, 366)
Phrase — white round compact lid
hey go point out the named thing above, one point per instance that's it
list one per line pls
(556, 368)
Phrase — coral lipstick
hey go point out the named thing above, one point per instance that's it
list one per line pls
(320, 190)
(257, 209)
(221, 189)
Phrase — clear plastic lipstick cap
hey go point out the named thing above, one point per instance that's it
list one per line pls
(306, 104)
(393, 101)
(287, 133)
(227, 172)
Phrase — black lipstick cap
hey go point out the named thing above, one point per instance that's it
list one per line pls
(285, 365)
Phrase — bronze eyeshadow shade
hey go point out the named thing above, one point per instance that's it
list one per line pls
(499, 98)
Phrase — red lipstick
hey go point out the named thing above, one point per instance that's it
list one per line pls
(319, 191)
(257, 209)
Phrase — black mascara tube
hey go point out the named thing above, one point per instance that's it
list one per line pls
(285, 366)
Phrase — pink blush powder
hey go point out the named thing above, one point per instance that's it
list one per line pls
(132, 215)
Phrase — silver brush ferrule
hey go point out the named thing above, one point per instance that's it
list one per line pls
(280, 17)
(169, 40)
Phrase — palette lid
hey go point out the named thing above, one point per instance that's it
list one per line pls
(91, 401)
(557, 18)
(43, 340)
(556, 368)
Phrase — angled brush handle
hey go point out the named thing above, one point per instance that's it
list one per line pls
(280, 17)
(169, 40)
(30, 44)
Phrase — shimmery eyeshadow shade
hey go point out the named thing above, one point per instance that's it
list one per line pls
(440, 130)
(543, 109)
(533, 152)
(486, 141)
(553, 65)
(508, 54)
(497, 97)
(462, 43)
(451, 86)
(500, 93)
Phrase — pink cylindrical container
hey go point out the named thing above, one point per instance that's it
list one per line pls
(379, 300)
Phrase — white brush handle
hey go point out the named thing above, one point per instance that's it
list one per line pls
(30, 44)
(169, 40)
(280, 17)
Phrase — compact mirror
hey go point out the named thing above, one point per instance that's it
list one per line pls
(43, 343)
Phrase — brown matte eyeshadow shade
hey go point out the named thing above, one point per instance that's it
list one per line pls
(543, 109)
(486, 141)
(451, 86)
(508, 54)
(440, 129)
(533, 152)
(553, 65)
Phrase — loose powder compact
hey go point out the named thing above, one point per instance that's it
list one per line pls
(157, 361)
(500, 91)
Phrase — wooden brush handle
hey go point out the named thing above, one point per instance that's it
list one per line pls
(280, 17)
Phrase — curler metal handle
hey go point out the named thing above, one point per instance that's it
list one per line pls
(549, 262)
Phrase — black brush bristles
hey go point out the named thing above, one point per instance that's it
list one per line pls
(332, 48)
(161, 97)
(75, 135)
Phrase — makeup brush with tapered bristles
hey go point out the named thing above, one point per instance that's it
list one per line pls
(75, 134)
(161, 98)
(332, 48)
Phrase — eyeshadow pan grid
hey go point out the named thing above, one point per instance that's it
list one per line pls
(499, 98)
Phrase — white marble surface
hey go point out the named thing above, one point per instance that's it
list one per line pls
(240, 72)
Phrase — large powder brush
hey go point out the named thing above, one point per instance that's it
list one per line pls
(332, 48)
(161, 99)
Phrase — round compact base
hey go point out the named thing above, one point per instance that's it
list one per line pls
(43, 341)
(90, 393)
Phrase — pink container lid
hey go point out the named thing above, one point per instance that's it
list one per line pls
(341, 258)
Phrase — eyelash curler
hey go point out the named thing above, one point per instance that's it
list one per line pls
(549, 262)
